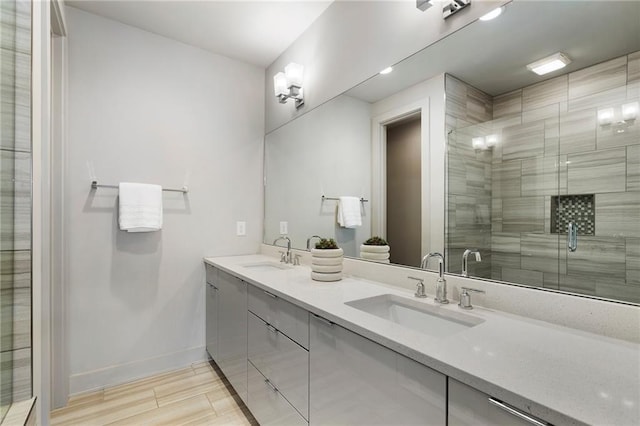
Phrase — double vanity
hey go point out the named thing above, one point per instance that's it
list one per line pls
(362, 352)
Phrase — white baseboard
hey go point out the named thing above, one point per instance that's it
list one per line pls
(123, 373)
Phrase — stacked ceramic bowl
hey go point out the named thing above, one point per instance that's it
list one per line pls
(375, 253)
(326, 264)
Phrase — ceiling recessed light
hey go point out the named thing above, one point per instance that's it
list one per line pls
(492, 15)
(549, 64)
(387, 70)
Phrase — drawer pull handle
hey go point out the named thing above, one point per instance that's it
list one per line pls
(323, 320)
(517, 413)
(270, 294)
(272, 328)
(268, 382)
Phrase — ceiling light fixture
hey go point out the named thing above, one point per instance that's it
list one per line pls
(423, 4)
(288, 84)
(492, 15)
(549, 64)
(387, 70)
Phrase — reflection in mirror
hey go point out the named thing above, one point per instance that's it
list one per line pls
(527, 155)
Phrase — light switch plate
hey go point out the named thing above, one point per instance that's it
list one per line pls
(241, 229)
(284, 228)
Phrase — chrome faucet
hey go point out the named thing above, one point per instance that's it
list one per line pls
(467, 252)
(441, 284)
(309, 241)
(284, 257)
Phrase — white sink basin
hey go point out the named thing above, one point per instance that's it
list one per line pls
(265, 266)
(427, 319)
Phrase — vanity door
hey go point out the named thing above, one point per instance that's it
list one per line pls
(355, 381)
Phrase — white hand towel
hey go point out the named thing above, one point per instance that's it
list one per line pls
(140, 207)
(349, 212)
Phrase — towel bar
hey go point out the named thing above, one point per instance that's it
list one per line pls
(362, 200)
(95, 185)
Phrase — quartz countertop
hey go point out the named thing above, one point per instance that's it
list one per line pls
(559, 374)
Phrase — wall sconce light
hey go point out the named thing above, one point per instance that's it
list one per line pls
(483, 143)
(605, 116)
(625, 117)
(549, 64)
(288, 84)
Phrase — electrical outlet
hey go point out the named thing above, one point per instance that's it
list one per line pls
(284, 228)
(241, 229)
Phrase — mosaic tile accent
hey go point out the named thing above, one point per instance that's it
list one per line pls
(580, 209)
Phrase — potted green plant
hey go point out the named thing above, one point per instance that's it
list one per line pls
(326, 261)
(376, 249)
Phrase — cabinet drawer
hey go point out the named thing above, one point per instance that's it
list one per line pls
(266, 403)
(286, 317)
(212, 274)
(282, 361)
(470, 407)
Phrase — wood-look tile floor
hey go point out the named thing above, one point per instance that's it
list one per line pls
(197, 395)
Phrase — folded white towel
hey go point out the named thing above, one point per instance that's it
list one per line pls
(140, 207)
(349, 212)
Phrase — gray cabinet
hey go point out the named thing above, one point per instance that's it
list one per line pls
(211, 325)
(470, 407)
(353, 381)
(232, 331)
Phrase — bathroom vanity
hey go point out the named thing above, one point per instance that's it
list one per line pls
(362, 352)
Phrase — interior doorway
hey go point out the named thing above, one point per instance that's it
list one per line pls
(404, 190)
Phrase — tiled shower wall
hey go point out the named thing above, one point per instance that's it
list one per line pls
(551, 145)
(15, 201)
(468, 179)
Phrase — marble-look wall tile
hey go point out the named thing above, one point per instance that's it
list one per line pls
(633, 168)
(467, 103)
(15, 200)
(21, 374)
(16, 312)
(618, 291)
(506, 179)
(496, 215)
(507, 104)
(563, 282)
(523, 214)
(506, 242)
(540, 252)
(501, 260)
(633, 67)
(598, 78)
(479, 105)
(633, 261)
(578, 131)
(543, 176)
(523, 141)
(456, 100)
(618, 214)
(545, 93)
(15, 269)
(607, 98)
(547, 214)
(597, 171)
(523, 276)
(598, 257)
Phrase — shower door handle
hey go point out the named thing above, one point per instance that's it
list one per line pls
(572, 236)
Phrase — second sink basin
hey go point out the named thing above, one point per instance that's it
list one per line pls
(427, 319)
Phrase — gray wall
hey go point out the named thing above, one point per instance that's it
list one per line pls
(144, 108)
(353, 40)
(326, 152)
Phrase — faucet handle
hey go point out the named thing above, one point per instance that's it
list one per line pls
(296, 260)
(420, 287)
(465, 297)
(283, 257)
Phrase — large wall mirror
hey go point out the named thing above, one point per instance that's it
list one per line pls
(463, 147)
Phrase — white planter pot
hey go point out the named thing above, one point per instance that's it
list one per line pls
(375, 253)
(326, 265)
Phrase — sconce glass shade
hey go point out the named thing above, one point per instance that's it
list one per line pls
(630, 111)
(294, 73)
(280, 84)
(491, 141)
(478, 143)
(605, 116)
